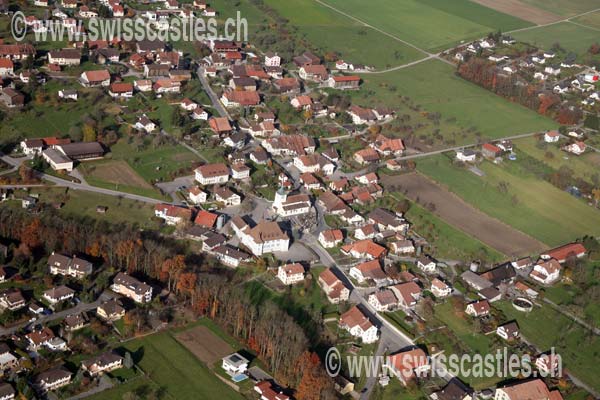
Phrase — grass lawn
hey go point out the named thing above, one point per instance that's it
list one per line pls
(430, 24)
(541, 210)
(154, 163)
(83, 204)
(447, 241)
(333, 32)
(565, 8)
(464, 106)
(463, 329)
(395, 390)
(571, 37)
(117, 393)
(547, 328)
(173, 367)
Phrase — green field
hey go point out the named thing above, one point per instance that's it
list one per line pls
(571, 37)
(430, 24)
(592, 20)
(540, 210)
(171, 366)
(547, 328)
(566, 8)
(463, 106)
(332, 32)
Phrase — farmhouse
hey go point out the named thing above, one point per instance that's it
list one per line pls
(303, 102)
(386, 220)
(6, 67)
(366, 156)
(95, 78)
(220, 125)
(240, 98)
(211, 174)
(534, 389)
(317, 73)
(490, 151)
(130, 287)
(546, 272)
(81, 150)
(364, 249)
(11, 98)
(172, 214)
(577, 148)
(358, 325)
(551, 137)
(361, 115)
(344, 82)
(563, 253)
(121, 89)
(314, 163)
(290, 145)
(335, 290)
(64, 57)
(290, 274)
(388, 146)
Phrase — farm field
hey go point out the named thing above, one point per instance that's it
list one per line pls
(526, 203)
(578, 349)
(332, 32)
(433, 25)
(571, 37)
(453, 210)
(522, 10)
(592, 20)
(450, 96)
(448, 241)
(564, 8)
(173, 367)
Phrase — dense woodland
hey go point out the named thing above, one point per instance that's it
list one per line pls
(278, 339)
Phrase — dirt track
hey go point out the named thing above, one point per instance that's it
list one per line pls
(465, 217)
(521, 10)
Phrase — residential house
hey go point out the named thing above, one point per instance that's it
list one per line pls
(387, 220)
(235, 364)
(316, 73)
(577, 148)
(69, 266)
(65, 57)
(369, 271)
(11, 97)
(364, 249)
(220, 125)
(490, 151)
(551, 137)
(508, 331)
(272, 59)
(95, 78)
(130, 287)
(440, 289)
(58, 294)
(388, 146)
(212, 174)
(145, 124)
(105, 362)
(110, 311)
(121, 90)
(359, 325)
(344, 82)
(426, 264)
(563, 253)
(478, 308)
(240, 98)
(402, 247)
(454, 390)
(267, 391)
(331, 238)
(226, 196)
(335, 290)
(290, 274)
(74, 322)
(534, 389)
(230, 256)
(408, 294)
(54, 378)
(383, 300)
(6, 67)
(408, 365)
(12, 299)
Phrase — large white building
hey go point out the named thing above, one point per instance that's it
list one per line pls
(132, 288)
(287, 206)
(211, 174)
(264, 237)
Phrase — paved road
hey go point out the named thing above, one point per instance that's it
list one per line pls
(213, 96)
(16, 162)
(81, 307)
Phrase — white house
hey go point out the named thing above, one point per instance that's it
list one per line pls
(426, 264)
(440, 288)
(290, 274)
(551, 137)
(145, 124)
(508, 331)
(130, 287)
(272, 60)
(478, 308)
(577, 148)
(358, 325)
(197, 196)
(235, 364)
(546, 272)
(466, 155)
(330, 238)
